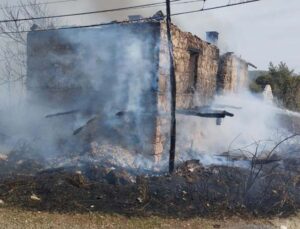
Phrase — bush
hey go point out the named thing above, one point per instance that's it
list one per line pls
(285, 85)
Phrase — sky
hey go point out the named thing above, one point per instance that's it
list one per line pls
(260, 32)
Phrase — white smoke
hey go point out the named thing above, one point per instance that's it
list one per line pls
(254, 119)
(255, 128)
(116, 73)
(21, 121)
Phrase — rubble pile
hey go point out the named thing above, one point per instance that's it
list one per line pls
(193, 189)
(22, 160)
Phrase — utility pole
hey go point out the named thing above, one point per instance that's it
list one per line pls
(173, 91)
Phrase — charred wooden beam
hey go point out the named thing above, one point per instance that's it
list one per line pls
(78, 130)
(252, 65)
(205, 114)
(194, 50)
(62, 113)
(264, 161)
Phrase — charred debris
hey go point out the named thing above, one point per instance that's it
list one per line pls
(193, 189)
(117, 78)
(106, 94)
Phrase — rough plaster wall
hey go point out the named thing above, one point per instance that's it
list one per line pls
(232, 74)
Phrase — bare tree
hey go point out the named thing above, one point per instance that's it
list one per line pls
(13, 39)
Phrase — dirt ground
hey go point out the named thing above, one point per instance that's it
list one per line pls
(13, 218)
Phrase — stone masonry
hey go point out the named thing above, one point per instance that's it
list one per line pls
(92, 67)
(232, 74)
(196, 67)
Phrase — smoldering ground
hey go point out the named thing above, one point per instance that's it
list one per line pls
(43, 174)
(110, 179)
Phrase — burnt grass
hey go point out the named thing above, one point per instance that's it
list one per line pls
(192, 190)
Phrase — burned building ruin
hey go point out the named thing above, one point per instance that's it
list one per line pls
(110, 85)
(232, 74)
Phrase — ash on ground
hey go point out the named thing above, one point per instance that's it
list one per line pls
(265, 188)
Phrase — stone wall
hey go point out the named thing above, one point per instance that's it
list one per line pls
(117, 69)
(192, 88)
(196, 66)
(108, 75)
(232, 74)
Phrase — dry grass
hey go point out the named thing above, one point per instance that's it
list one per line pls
(13, 218)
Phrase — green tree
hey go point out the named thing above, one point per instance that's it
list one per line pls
(285, 85)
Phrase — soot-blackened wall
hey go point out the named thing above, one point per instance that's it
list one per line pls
(108, 75)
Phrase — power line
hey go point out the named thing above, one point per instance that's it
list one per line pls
(216, 7)
(131, 21)
(36, 4)
(186, 2)
(95, 12)
(78, 27)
